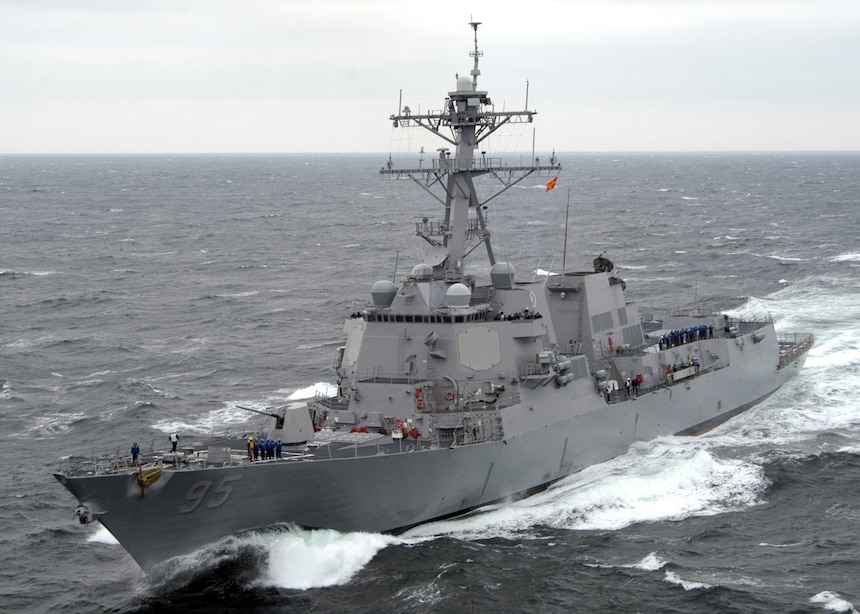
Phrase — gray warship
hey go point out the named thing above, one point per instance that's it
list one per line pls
(452, 392)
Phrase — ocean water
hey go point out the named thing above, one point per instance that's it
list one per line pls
(145, 294)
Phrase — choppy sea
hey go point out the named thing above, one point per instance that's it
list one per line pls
(145, 294)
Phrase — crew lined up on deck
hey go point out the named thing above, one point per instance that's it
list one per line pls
(525, 314)
(681, 336)
(264, 449)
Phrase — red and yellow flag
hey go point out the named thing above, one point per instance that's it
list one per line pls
(551, 184)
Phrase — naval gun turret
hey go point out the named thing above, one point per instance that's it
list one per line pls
(293, 423)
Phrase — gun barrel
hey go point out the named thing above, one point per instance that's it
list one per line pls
(257, 411)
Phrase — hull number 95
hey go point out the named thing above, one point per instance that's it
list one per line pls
(200, 492)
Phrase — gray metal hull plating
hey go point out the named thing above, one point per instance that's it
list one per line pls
(185, 510)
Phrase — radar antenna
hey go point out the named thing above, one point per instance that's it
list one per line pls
(475, 54)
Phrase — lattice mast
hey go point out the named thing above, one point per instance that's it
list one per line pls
(470, 117)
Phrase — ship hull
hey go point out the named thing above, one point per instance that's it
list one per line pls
(187, 509)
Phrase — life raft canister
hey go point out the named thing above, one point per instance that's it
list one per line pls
(610, 345)
(414, 432)
(419, 404)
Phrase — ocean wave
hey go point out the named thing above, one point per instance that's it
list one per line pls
(666, 479)
(651, 562)
(309, 392)
(300, 559)
(55, 423)
(848, 257)
(687, 585)
(833, 602)
(282, 556)
(5, 273)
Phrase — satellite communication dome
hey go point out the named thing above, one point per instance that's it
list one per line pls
(421, 271)
(458, 295)
(502, 275)
(383, 293)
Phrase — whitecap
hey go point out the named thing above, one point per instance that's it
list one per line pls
(666, 479)
(687, 585)
(322, 388)
(50, 423)
(784, 258)
(652, 562)
(849, 257)
(301, 559)
(833, 602)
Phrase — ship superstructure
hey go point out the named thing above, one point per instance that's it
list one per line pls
(452, 391)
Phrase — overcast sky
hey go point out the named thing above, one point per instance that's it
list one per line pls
(118, 76)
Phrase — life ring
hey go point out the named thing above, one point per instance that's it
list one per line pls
(449, 396)
(398, 423)
(419, 404)
(610, 345)
(417, 393)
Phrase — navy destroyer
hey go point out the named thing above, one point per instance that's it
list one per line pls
(452, 392)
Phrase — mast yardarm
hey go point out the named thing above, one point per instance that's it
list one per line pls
(470, 117)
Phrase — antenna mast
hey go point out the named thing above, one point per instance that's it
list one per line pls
(475, 54)
(467, 120)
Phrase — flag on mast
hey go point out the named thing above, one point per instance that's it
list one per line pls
(551, 184)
